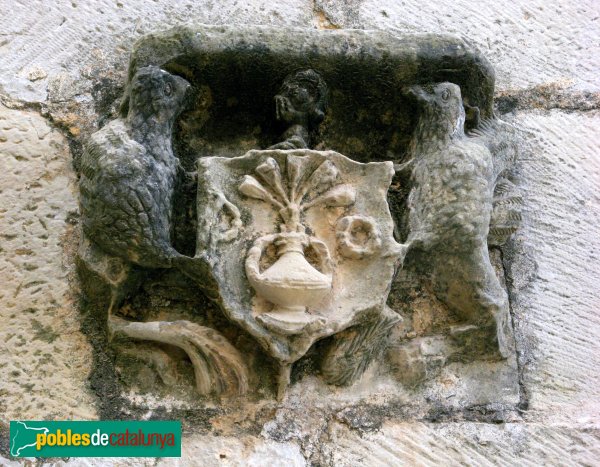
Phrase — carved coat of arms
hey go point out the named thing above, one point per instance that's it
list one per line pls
(300, 242)
(295, 248)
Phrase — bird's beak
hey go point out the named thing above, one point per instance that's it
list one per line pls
(415, 92)
(185, 84)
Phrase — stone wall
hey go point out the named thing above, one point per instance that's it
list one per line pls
(62, 64)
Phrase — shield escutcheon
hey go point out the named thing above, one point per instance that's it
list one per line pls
(300, 243)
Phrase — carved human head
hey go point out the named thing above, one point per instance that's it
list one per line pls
(302, 98)
(154, 91)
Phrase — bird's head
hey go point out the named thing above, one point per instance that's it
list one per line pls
(442, 100)
(153, 91)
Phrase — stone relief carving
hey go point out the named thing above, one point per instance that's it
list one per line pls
(292, 248)
(451, 204)
(301, 104)
(301, 288)
(128, 178)
(358, 236)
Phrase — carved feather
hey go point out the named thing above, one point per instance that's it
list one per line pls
(501, 139)
(218, 366)
(354, 349)
(506, 214)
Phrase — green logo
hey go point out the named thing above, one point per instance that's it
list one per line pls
(95, 439)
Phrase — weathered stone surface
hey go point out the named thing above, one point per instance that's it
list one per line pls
(45, 357)
(317, 224)
(451, 205)
(559, 379)
(464, 443)
(73, 38)
(81, 36)
(247, 451)
(350, 295)
(237, 72)
(287, 215)
(507, 34)
(551, 265)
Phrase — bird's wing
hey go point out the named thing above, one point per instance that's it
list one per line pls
(502, 140)
(116, 199)
(110, 151)
(506, 214)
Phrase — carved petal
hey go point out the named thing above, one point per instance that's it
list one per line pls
(271, 175)
(295, 170)
(320, 180)
(253, 189)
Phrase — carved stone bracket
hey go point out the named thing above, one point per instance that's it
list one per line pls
(296, 247)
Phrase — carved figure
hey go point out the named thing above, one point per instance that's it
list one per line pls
(128, 177)
(129, 174)
(451, 205)
(296, 246)
(301, 104)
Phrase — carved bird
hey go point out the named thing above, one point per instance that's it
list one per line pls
(128, 179)
(451, 205)
(129, 173)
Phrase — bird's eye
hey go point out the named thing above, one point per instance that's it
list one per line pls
(445, 94)
(168, 89)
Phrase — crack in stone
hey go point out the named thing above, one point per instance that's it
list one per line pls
(523, 390)
(546, 97)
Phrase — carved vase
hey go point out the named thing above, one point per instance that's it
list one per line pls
(291, 283)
